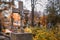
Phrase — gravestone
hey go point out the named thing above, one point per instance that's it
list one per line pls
(21, 36)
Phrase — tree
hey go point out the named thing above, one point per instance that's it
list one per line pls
(52, 18)
(33, 3)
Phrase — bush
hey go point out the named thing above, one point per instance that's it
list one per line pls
(45, 34)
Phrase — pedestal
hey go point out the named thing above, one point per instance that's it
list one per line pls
(21, 36)
(2, 38)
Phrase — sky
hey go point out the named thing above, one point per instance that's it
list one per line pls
(38, 7)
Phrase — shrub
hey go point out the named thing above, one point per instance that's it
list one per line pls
(45, 34)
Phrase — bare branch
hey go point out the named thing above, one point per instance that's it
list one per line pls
(35, 0)
(39, 4)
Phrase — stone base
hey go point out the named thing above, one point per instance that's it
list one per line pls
(21, 36)
(2, 38)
